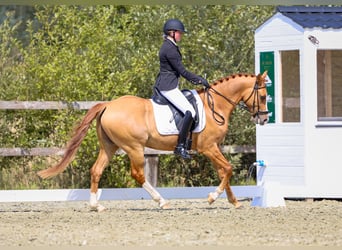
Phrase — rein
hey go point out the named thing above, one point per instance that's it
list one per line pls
(220, 120)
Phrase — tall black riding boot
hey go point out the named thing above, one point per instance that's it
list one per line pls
(181, 148)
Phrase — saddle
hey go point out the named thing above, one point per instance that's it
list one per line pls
(157, 97)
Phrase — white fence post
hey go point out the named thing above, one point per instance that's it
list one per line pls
(271, 194)
(151, 169)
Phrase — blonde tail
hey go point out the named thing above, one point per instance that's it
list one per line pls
(74, 143)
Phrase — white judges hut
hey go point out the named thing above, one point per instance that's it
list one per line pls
(301, 47)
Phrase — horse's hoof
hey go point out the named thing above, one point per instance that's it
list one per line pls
(101, 208)
(165, 205)
(238, 205)
(211, 198)
(98, 208)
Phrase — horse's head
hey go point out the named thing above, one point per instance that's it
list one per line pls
(256, 100)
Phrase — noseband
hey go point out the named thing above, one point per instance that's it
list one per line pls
(255, 93)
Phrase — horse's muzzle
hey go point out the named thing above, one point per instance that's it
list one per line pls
(261, 117)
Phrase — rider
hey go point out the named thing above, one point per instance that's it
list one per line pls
(171, 68)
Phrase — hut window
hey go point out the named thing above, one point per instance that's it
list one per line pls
(290, 87)
(329, 85)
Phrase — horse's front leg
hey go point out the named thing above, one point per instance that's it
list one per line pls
(224, 170)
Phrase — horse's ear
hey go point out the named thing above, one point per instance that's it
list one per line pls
(261, 78)
(264, 74)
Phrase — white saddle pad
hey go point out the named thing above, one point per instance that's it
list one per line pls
(164, 118)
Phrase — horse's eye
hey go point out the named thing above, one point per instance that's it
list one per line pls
(263, 98)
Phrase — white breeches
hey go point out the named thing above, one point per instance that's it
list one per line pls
(179, 100)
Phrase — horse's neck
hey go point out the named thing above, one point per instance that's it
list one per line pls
(233, 89)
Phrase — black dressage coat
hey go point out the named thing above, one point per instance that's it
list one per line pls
(171, 68)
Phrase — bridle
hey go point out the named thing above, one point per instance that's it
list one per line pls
(220, 120)
(255, 94)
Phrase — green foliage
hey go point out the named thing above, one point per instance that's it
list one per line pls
(87, 53)
(10, 59)
(83, 54)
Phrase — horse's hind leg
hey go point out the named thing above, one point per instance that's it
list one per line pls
(96, 171)
(137, 172)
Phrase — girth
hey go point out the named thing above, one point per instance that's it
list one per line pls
(157, 97)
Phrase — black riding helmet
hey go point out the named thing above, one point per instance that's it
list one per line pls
(173, 24)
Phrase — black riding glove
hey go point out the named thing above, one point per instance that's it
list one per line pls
(203, 81)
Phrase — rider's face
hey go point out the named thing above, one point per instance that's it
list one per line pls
(178, 35)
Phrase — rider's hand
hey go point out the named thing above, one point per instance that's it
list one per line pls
(204, 82)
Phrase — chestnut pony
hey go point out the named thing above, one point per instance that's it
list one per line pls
(129, 123)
